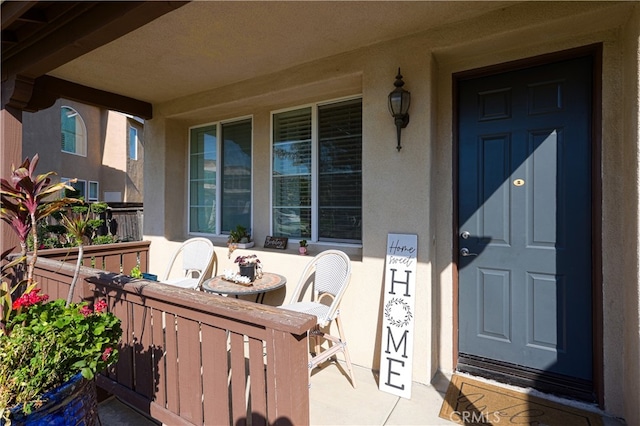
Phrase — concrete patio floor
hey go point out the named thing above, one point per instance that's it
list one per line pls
(335, 402)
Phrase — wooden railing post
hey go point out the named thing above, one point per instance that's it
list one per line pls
(287, 369)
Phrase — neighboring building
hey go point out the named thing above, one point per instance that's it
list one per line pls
(519, 169)
(103, 149)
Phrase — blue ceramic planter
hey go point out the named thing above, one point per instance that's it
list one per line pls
(72, 404)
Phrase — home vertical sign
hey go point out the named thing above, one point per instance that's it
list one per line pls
(396, 358)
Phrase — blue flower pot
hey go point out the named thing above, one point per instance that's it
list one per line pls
(72, 404)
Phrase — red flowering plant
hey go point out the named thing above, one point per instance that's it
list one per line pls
(43, 344)
(49, 343)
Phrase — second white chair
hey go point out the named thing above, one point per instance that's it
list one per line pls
(328, 275)
(198, 258)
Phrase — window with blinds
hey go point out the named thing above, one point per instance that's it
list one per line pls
(220, 153)
(317, 172)
(73, 132)
(340, 171)
(292, 174)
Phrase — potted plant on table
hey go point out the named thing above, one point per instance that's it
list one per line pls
(249, 266)
(49, 352)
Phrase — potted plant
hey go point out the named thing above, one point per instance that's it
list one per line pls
(49, 352)
(239, 237)
(249, 266)
(303, 247)
(52, 351)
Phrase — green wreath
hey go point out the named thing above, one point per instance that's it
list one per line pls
(389, 308)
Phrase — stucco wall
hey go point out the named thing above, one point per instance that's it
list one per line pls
(106, 159)
(411, 191)
(114, 159)
(41, 135)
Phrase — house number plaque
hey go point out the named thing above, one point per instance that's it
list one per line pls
(518, 182)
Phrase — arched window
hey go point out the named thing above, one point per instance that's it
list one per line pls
(74, 132)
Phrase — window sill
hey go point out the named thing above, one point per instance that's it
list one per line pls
(354, 251)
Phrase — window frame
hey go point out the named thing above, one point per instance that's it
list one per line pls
(78, 181)
(84, 134)
(315, 171)
(97, 185)
(135, 142)
(219, 174)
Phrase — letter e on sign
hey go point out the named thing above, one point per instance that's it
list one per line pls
(396, 349)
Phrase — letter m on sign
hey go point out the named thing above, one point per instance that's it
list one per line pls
(396, 352)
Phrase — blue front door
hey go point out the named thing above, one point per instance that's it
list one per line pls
(524, 216)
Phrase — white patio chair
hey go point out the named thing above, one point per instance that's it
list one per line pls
(326, 276)
(198, 258)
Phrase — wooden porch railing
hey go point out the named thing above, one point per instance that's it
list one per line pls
(192, 358)
(116, 258)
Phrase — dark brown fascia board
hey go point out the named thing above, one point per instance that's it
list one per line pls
(13, 10)
(97, 26)
(47, 89)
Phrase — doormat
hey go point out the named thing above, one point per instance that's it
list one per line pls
(472, 402)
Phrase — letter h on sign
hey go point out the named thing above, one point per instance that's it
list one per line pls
(394, 281)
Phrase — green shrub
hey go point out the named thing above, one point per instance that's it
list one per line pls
(104, 239)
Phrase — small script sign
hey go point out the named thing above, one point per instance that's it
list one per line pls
(276, 242)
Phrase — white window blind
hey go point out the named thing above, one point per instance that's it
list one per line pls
(340, 171)
(292, 174)
(321, 202)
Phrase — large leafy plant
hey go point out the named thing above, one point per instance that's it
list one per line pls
(26, 200)
(42, 345)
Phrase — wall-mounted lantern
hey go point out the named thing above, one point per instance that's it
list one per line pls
(399, 101)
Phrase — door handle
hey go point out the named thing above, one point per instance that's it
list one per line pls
(464, 252)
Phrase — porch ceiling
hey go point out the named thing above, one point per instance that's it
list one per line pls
(208, 44)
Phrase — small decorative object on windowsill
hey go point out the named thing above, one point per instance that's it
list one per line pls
(239, 237)
(249, 266)
(303, 247)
